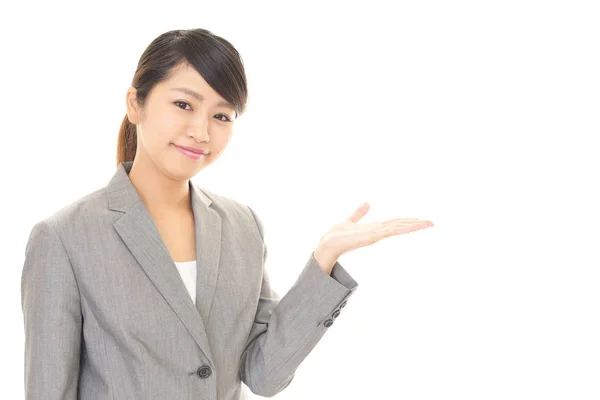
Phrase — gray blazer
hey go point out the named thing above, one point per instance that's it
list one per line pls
(107, 315)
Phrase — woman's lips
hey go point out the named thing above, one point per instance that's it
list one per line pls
(190, 154)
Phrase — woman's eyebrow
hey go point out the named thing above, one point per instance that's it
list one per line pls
(199, 97)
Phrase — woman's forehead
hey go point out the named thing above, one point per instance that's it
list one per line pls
(189, 82)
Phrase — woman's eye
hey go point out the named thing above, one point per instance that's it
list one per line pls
(181, 102)
(226, 118)
(177, 103)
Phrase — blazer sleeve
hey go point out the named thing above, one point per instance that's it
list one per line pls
(285, 330)
(52, 317)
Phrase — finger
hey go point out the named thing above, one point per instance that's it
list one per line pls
(410, 225)
(400, 229)
(407, 222)
(406, 228)
(393, 220)
(359, 213)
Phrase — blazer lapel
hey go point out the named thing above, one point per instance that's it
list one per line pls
(140, 234)
(208, 249)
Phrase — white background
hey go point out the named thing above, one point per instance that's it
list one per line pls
(479, 116)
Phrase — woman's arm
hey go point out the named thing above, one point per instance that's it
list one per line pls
(286, 329)
(52, 317)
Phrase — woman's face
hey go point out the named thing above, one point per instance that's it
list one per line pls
(174, 116)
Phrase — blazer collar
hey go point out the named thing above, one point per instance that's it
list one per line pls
(140, 234)
(122, 194)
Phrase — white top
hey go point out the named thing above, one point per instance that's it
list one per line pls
(187, 270)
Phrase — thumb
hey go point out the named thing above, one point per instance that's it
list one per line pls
(359, 213)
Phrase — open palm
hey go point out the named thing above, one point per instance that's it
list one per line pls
(348, 235)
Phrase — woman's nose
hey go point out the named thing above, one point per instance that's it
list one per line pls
(200, 132)
(200, 135)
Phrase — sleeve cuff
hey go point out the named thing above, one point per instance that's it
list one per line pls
(338, 286)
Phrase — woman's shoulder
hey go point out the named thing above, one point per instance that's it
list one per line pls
(88, 205)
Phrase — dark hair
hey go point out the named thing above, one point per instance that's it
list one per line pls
(213, 57)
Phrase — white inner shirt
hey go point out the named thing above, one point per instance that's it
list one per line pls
(187, 270)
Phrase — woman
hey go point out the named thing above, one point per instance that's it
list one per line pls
(153, 288)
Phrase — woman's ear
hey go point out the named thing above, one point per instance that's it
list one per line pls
(132, 105)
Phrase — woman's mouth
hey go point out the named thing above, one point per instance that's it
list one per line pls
(190, 154)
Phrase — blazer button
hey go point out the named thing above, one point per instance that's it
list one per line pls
(336, 314)
(204, 371)
(343, 304)
(328, 323)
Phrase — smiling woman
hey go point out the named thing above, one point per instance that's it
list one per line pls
(188, 89)
(152, 287)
